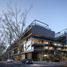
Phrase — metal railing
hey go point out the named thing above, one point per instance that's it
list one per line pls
(37, 22)
(61, 33)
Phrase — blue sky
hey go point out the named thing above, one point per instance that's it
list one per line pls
(52, 12)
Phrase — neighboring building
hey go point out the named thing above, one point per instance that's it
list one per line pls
(37, 42)
(62, 38)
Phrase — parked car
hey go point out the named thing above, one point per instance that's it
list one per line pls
(27, 61)
(10, 60)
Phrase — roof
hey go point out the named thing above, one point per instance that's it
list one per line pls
(61, 33)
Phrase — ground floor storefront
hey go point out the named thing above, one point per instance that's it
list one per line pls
(39, 55)
(36, 56)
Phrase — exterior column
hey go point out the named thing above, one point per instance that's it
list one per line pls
(29, 55)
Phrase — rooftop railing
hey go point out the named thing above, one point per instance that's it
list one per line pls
(61, 33)
(35, 23)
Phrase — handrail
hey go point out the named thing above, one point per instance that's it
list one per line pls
(40, 22)
(36, 22)
(61, 33)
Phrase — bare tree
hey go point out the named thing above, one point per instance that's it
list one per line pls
(13, 24)
(2, 42)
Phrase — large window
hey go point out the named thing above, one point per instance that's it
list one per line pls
(46, 47)
(51, 48)
(58, 48)
(65, 45)
(64, 49)
(38, 41)
(57, 44)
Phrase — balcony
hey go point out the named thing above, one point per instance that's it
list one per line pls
(57, 44)
(51, 48)
(38, 42)
(37, 50)
(59, 49)
(64, 49)
(65, 46)
(40, 45)
(44, 48)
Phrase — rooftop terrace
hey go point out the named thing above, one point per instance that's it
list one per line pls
(37, 23)
(61, 33)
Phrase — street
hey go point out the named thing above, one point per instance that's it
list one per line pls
(18, 64)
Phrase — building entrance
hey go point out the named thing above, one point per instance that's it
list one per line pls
(28, 55)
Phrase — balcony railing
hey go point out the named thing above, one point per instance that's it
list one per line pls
(39, 49)
(43, 49)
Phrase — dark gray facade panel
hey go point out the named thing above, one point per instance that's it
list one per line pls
(66, 37)
(43, 31)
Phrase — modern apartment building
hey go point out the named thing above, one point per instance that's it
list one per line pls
(38, 42)
(62, 38)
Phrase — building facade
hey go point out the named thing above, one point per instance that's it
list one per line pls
(38, 42)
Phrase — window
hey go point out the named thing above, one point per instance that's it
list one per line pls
(55, 44)
(65, 45)
(58, 48)
(37, 41)
(45, 42)
(50, 48)
(64, 49)
(59, 44)
(46, 47)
